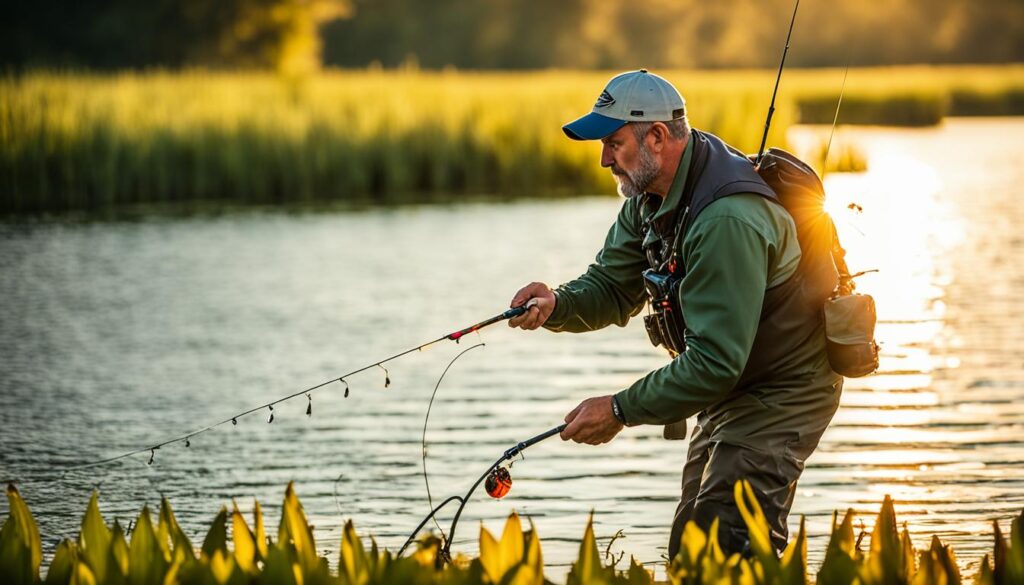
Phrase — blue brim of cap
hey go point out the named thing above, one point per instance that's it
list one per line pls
(593, 126)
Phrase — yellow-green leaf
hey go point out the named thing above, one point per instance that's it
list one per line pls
(794, 560)
(984, 575)
(118, 551)
(490, 555)
(94, 541)
(221, 566)
(82, 575)
(353, 566)
(261, 533)
(63, 564)
(21, 552)
(839, 566)
(217, 537)
(757, 528)
(169, 530)
(147, 563)
(587, 568)
(295, 530)
(245, 544)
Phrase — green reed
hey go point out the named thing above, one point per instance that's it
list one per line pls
(89, 142)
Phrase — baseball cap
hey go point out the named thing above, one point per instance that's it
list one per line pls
(634, 96)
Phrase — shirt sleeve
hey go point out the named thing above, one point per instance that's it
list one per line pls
(612, 289)
(721, 295)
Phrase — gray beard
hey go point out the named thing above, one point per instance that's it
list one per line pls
(635, 183)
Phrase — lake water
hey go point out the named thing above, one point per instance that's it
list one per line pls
(117, 334)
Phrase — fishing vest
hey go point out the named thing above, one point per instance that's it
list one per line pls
(791, 313)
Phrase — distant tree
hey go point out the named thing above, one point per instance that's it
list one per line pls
(276, 34)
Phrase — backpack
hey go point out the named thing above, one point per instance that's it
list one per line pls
(850, 317)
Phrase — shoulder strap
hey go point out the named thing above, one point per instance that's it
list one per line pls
(681, 219)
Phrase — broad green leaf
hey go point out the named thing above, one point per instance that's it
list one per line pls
(500, 557)
(984, 575)
(587, 568)
(999, 554)
(637, 574)
(534, 558)
(245, 544)
(757, 528)
(840, 564)
(490, 555)
(118, 562)
(21, 552)
(217, 538)
(147, 563)
(885, 563)
(929, 570)
(512, 540)
(694, 544)
(278, 568)
(295, 531)
(353, 567)
(221, 566)
(94, 541)
(63, 563)
(83, 575)
(907, 554)
(946, 560)
(261, 533)
(1015, 553)
(168, 529)
(794, 560)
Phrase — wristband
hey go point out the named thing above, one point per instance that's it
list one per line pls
(617, 410)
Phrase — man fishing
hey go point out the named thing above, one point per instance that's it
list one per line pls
(703, 239)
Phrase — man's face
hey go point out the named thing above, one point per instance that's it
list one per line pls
(632, 163)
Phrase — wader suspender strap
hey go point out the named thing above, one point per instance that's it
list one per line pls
(697, 163)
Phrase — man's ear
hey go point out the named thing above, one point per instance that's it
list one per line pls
(658, 135)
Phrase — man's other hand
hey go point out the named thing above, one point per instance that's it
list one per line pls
(539, 300)
(592, 422)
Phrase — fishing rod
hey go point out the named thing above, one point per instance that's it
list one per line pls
(778, 78)
(497, 481)
(233, 419)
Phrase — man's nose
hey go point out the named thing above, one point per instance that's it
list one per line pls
(607, 159)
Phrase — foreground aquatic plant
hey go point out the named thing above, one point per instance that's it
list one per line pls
(160, 553)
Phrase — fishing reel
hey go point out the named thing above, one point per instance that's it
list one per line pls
(498, 483)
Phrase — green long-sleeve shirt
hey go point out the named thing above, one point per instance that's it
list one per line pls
(733, 251)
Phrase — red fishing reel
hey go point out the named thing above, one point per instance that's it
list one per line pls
(498, 483)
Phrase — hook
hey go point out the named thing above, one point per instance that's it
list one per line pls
(345, 382)
(234, 421)
(187, 442)
(152, 455)
(309, 406)
(387, 376)
(271, 407)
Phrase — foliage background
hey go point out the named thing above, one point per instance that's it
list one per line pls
(293, 35)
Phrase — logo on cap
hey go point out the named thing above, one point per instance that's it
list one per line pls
(604, 100)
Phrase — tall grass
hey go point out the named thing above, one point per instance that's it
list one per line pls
(89, 141)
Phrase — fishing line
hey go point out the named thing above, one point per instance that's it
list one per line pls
(423, 440)
(186, 438)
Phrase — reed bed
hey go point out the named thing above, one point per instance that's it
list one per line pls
(82, 141)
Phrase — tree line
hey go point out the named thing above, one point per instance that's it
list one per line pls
(298, 35)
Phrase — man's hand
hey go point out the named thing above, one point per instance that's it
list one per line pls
(540, 301)
(592, 422)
